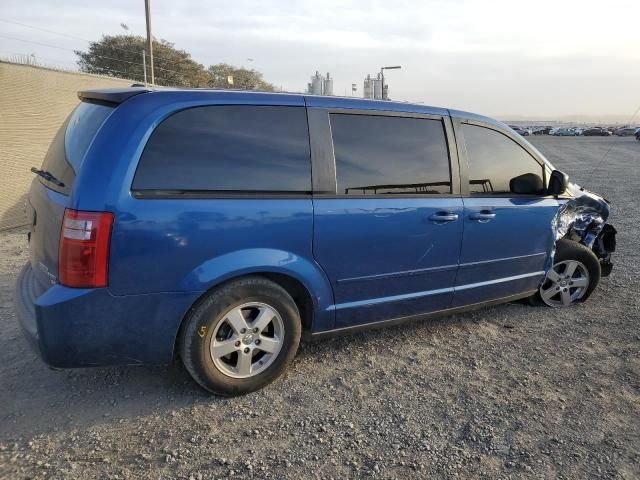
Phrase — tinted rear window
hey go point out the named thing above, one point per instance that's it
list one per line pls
(378, 155)
(228, 148)
(68, 148)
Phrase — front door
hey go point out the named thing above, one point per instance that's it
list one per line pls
(389, 239)
(507, 236)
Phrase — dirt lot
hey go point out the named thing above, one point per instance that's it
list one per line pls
(506, 392)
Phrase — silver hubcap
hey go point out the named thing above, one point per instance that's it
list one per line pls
(565, 283)
(247, 340)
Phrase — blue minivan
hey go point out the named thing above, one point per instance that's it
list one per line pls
(223, 226)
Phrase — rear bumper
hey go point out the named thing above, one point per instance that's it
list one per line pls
(25, 294)
(71, 327)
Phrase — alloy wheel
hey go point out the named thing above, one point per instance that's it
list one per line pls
(247, 341)
(565, 283)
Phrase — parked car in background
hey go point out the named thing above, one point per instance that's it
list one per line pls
(578, 131)
(542, 130)
(520, 130)
(638, 134)
(565, 132)
(626, 131)
(223, 226)
(596, 132)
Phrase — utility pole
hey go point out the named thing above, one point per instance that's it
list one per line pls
(147, 11)
(144, 65)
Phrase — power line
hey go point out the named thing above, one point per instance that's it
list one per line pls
(44, 30)
(92, 54)
(35, 43)
(62, 34)
(104, 70)
(180, 63)
(134, 52)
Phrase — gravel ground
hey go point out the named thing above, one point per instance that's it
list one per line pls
(506, 392)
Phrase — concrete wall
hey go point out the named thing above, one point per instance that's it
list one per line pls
(34, 102)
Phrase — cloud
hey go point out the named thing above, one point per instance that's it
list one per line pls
(498, 57)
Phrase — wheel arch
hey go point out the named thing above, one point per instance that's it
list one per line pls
(294, 287)
(303, 279)
(568, 249)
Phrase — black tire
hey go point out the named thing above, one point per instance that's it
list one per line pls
(567, 250)
(199, 326)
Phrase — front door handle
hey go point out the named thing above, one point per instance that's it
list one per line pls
(483, 216)
(443, 217)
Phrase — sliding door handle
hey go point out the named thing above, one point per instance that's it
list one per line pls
(482, 217)
(443, 217)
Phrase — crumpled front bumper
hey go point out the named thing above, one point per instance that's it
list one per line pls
(584, 219)
(604, 246)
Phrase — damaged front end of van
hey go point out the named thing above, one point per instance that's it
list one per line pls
(583, 219)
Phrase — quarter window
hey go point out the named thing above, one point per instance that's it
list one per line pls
(228, 148)
(494, 159)
(378, 155)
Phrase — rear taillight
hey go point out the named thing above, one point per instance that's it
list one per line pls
(84, 249)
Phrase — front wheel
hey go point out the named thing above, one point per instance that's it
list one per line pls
(241, 337)
(573, 277)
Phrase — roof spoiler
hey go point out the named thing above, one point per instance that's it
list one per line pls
(111, 95)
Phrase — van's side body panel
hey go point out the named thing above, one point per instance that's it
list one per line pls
(385, 258)
(508, 254)
(191, 245)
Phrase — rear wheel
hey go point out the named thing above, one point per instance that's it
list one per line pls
(574, 275)
(241, 337)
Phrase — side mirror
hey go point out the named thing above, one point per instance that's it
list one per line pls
(527, 184)
(558, 183)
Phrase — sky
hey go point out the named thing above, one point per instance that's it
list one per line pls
(508, 59)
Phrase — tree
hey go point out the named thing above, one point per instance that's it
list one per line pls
(121, 56)
(243, 79)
